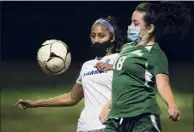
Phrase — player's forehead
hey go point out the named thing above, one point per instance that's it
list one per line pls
(138, 17)
(98, 28)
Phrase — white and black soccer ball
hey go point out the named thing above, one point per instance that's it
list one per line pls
(54, 57)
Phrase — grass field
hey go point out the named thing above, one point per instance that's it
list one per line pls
(25, 80)
(65, 119)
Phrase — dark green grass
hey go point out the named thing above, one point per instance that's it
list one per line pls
(65, 119)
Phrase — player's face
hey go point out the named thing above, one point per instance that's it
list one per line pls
(137, 21)
(99, 34)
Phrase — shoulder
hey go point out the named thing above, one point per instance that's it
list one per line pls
(110, 58)
(128, 45)
(157, 54)
(89, 62)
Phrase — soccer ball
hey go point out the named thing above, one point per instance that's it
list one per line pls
(54, 57)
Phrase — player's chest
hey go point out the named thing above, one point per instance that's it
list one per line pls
(92, 74)
(131, 62)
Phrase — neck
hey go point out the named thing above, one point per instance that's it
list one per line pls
(147, 42)
(108, 52)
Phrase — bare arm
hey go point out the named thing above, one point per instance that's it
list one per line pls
(109, 103)
(105, 111)
(162, 82)
(163, 86)
(64, 100)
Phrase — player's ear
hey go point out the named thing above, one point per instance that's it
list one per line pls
(113, 39)
(151, 28)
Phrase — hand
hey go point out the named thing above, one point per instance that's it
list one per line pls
(24, 104)
(104, 114)
(174, 113)
(103, 66)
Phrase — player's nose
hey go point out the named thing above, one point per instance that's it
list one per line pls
(96, 40)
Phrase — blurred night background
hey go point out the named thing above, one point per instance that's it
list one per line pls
(25, 25)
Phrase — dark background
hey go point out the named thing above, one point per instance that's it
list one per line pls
(25, 25)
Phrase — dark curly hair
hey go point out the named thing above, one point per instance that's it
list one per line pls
(167, 18)
(119, 37)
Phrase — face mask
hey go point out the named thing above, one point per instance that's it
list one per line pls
(133, 34)
(100, 49)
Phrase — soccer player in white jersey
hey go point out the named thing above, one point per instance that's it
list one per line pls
(95, 79)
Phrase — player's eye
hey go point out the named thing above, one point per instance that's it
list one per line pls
(136, 23)
(93, 35)
(101, 36)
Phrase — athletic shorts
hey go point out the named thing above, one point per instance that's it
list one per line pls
(141, 123)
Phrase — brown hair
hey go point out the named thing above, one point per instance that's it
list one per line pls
(167, 18)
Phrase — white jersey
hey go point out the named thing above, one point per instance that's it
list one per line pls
(97, 90)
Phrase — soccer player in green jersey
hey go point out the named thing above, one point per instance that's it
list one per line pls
(141, 66)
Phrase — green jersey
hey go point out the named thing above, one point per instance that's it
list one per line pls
(133, 84)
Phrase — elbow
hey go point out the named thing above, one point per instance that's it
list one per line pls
(65, 102)
(75, 100)
(68, 101)
(162, 87)
(162, 82)
(74, 103)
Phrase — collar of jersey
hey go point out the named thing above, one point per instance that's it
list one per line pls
(98, 58)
